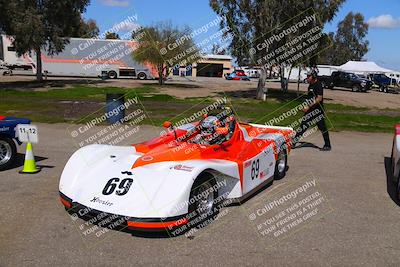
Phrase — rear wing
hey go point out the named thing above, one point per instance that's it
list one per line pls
(272, 127)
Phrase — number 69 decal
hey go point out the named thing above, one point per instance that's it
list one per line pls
(123, 186)
(255, 169)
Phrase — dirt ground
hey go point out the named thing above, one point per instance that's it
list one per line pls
(359, 229)
(203, 87)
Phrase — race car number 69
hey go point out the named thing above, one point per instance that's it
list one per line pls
(124, 185)
(255, 169)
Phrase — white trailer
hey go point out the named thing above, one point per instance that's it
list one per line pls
(80, 58)
(323, 70)
(9, 60)
(326, 70)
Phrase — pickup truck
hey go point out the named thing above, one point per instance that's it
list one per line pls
(8, 140)
(380, 80)
(346, 80)
(384, 83)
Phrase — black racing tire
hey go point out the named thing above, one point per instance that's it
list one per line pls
(112, 74)
(8, 153)
(203, 207)
(142, 76)
(281, 163)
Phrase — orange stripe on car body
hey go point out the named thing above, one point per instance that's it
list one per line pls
(237, 149)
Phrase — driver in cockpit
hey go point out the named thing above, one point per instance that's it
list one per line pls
(212, 130)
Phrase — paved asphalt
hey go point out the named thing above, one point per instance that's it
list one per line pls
(358, 224)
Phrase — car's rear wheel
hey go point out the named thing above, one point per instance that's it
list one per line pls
(8, 152)
(142, 76)
(202, 201)
(281, 164)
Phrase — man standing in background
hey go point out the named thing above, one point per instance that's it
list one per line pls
(314, 113)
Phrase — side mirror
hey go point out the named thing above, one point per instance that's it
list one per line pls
(167, 124)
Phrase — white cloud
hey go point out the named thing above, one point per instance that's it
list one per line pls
(118, 3)
(384, 21)
(126, 26)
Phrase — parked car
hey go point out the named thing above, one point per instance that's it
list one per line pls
(8, 140)
(237, 75)
(381, 81)
(385, 83)
(252, 73)
(346, 80)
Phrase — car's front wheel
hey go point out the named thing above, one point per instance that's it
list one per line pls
(112, 75)
(202, 201)
(8, 152)
(355, 88)
(281, 163)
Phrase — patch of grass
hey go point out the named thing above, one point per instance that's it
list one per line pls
(80, 103)
(77, 92)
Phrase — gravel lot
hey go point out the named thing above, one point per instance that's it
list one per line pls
(360, 228)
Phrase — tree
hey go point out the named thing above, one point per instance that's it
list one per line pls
(165, 47)
(250, 22)
(112, 36)
(328, 55)
(87, 29)
(40, 24)
(349, 41)
(218, 50)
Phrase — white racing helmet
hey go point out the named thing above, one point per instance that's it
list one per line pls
(209, 124)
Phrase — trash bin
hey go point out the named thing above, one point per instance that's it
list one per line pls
(115, 107)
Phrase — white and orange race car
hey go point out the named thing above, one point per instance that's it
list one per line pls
(179, 178)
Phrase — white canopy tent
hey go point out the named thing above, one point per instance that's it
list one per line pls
(363, 67)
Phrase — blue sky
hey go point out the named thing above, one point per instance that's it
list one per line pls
(384, 36)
